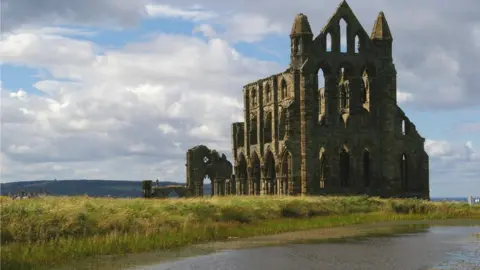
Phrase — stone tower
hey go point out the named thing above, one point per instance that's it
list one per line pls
(348, 137)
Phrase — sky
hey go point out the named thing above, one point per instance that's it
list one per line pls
(120, 89)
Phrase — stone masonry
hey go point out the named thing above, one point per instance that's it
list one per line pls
(349, 137)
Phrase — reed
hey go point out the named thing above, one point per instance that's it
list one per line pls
(50, 231)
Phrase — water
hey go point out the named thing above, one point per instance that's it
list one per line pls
(403, 246)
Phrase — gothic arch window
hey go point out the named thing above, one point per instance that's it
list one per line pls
(357, 44)
(268, 93)
(328, 41)
(295, 46)
(403, 127)
(253, 130)
(267, 133)
(254, 97)
(283, 89)
(344, 74)
(344, 168)
(343, 36)
(365, 88)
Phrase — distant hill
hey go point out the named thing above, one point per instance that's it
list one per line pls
(101, 188)
(113, 188)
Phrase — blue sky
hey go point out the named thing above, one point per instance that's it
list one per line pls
(120, 89)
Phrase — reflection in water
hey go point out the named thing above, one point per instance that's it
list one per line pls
(415, 246)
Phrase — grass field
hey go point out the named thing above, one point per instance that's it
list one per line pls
(51, 231)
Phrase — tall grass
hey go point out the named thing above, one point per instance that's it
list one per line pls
(45, 232)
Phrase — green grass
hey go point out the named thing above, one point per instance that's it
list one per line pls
(47, 232)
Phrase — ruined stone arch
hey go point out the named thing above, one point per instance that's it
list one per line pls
(203, 162)
(242, 174)
(322, 69)
(285, 173)
(270, 174)
(256, 174)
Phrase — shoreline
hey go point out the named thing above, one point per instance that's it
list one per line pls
(318, 235)
(51, 232)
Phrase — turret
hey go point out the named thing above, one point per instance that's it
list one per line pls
(381, 36)
(301, 40)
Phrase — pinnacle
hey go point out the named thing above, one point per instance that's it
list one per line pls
(301, 25)
(381, 30)
(343, 4)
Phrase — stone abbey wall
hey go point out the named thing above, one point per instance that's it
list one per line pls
(347, 137)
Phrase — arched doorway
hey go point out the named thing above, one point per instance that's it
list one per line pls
(271, 174)
(344, 168)
(285, 174)
(256, 174)
(208, 190)
(242, 175)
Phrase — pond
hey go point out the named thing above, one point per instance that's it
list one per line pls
(450, 244)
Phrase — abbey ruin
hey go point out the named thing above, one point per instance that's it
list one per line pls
(348, 137)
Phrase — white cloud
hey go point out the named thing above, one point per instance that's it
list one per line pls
(47, 50)
(471, 153)
(146, 103)
(166, 128)
(403, 97)
(20, 95)
(195, 13)
(251, 27)
(62, 31)
(140, 105)
(438, 148)
(476, 35)
(25, 13)
(454, 167)
(206, 30)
